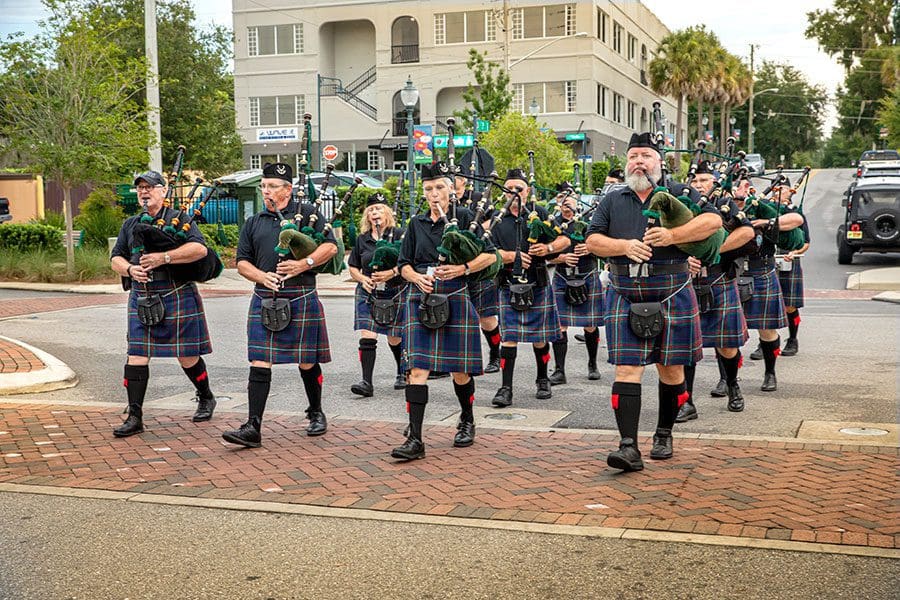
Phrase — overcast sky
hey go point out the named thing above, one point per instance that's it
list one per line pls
(775, 26)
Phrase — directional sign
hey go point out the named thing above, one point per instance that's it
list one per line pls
(329, 152)
(575, 137)
(459, 141)
(482, 125)
(585, 157)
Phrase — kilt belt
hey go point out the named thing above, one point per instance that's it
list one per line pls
(183, 331)
(538, 324)
(587, 314)
(791, 283)
(362, 315)
(724, 326)
(765, 309)
(304, 340)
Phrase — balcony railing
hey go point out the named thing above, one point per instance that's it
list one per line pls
(404, 53)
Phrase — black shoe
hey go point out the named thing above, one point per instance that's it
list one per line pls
(579, 337)
(593, 372)
(465, 435)
(410, 450)
(246, 435)
(493, 365)
(687, 412)
(132, 425)
(626, 458)
(438, 375)
(790, 347)
(205, 408)
(400, 382)
(662, 444)
(770, 384)
(502, 398)
(557, 377)
(317, 423)
(721, 389)
(735, 398)
(757, 354)
(543, 390)
(363, 388)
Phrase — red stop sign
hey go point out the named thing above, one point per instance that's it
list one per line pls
(329, 152)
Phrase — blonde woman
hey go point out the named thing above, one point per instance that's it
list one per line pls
(385, 284)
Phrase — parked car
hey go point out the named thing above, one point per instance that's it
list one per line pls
(878, 168)
(756, 164)
(338, 179)
(877, 155)
(4, 210)
(871, 218)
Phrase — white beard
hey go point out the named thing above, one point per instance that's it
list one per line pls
(639, 182)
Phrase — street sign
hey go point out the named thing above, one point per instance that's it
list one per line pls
(575, 137)
(329, 152)
(883, 132)
(482, 125)
(585, 157)
(459, 141)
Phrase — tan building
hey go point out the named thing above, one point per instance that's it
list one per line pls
(582, 62)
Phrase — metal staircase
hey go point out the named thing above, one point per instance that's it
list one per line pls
(332, 86)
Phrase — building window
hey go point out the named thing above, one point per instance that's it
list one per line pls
(258, 160)
(405, 40)
(570, 96)
(254, 161)
(543, 21)
(617, 32)
(602, 92)
(602, 25)
(617, 107)
(374, 160)
(551, 96)
(267, 40)
(632, 48)
(464, 27)
(276, 110)
(632, 109)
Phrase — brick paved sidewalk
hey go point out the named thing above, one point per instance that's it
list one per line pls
(16, 359)
(833, 494)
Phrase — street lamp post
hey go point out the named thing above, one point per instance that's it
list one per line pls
(750, 117)
(409, 96)
(534, 108)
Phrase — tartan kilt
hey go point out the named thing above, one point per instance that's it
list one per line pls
(305, 340)
(183, 331)
(791, 283)
(765, 309)
(484, 297)
(724, 326)
(538, 324)
(362, 315)
(588, 314)
(680, 342)
(455, 347)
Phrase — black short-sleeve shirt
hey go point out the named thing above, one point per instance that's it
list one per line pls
(259, 236)
(508, 234)
(364, 250)
(423, 236)
(586, 263)
(125, 240)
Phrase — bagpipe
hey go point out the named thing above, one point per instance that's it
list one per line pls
(539, 230)
(162, 235)
(760, 208)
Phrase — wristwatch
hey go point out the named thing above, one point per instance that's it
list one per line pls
(468, 270)
(167, 258)
(310, 261)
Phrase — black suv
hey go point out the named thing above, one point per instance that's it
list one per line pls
(4, 210)
(871, 218)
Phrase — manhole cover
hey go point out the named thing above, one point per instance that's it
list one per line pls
(863, 431)
(505, 416)
(223, 398)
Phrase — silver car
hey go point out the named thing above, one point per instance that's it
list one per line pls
(756, 164)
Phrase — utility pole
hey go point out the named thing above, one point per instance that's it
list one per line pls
(152, 84)
(750, 108)
(506, 35)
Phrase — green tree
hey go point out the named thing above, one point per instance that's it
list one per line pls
(490, 97)
(889, 116)
(196, 88)
(851, 27)
(842, 150)
(68, 107)
(513, 135)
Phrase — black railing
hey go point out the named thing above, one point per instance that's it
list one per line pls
(362, 82)
(643, 77)
(331, 86)
(404, 53)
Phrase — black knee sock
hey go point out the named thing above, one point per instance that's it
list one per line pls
(508, 364)
(793, 323)
(542, 358)
(730, 366)
(689, 372)
(200, 378)
(258, 392)
(136, 378)
(367, 349)
(770, 350)
(560, 348)
(465, 393)
(395, 350)
(416, 399)
(722, 373)
(592, 341)
(312, 382)
(671, 397)
(493, 340)
(626, 403)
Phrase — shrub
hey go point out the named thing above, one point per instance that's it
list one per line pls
(29, 236)
(99, 217)
(220, 238)
(91, 264)
(52, 218)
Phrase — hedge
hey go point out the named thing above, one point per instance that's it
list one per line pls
(217, 239)
(29, 236)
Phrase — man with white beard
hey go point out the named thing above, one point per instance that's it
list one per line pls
(652, 315)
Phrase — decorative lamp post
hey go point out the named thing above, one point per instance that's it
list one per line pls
(534, 108)
(409, 96)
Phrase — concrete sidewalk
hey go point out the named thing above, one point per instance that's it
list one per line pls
(25, 369)
(883, 279)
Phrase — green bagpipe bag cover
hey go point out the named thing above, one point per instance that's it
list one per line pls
(787, 240)
(673, 213)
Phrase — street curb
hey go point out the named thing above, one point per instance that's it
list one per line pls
(395, 517)
(97, 288)
(890, 296)
(55, 376)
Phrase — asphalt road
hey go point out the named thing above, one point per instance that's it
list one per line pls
(70, 548)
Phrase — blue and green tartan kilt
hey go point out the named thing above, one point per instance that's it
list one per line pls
(484, 297)
(765, 309)
(538, 324)
(362, 315)
(724, 326)
(305, 340)
(791, 283)
(455, 347)
(588, 314)
(680, 343)
(183, 331)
